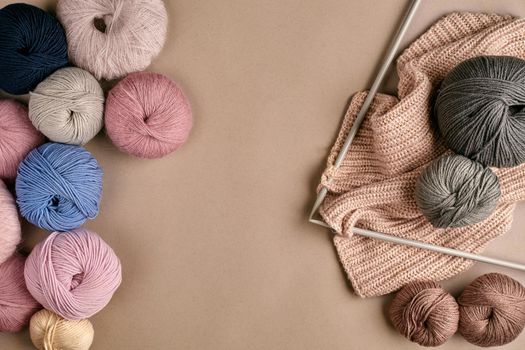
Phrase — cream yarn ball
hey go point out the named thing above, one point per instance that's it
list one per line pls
(49, 331)
(68, 106)
(111, 38)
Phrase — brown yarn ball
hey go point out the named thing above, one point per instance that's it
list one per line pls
(492, 310)
(425, 313)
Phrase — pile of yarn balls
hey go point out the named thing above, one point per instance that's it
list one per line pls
(489, 312)
(480, 111)
(72, 274)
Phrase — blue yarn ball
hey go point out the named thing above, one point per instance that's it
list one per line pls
(32, 46)
(59, 186)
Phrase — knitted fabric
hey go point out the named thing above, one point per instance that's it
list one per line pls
(374, 187)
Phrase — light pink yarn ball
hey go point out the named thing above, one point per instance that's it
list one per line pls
(16, 304)
(74, 274)
(10, 231)
(147, 115)
(17, 137)
(111, 38)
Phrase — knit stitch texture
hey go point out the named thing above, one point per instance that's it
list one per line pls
(374, 187)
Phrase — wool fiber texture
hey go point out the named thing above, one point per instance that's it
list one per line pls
(68, 106)
(32, 46)
(74, 273)
(375, 186)
(111, 38)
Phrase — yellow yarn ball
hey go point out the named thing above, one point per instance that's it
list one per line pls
(51, 332)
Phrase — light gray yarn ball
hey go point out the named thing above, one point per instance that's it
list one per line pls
(480, 110)
(68, 106)
(454, 191)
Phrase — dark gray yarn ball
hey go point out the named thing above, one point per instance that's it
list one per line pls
(454, 191)
(480, 110)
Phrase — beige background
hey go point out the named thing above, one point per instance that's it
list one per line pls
(216, 249)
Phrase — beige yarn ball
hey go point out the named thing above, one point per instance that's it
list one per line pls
(68, 106)
(49, 331)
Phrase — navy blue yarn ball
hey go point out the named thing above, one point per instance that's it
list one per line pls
(59, 186)
(32, 46)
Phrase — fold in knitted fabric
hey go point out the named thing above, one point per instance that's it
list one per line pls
(374, 187)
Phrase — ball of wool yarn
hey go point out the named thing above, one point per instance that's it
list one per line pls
(480, 110)
(59, 186)
(32, 46)
(10, 231)
(17, 137)
(425, 313)
(147, 115)
(68, 106)
(492, 310)
(74, 273)
(111, 38)
(16, 304)
(49, 331)
(454, 191)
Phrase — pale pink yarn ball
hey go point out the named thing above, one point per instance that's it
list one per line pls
(74, 274)
(147, 115)
(16, 304)
(10, 231)
(17, 137)
(111, 38)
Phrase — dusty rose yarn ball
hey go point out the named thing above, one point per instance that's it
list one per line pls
(16, 304)
(147, 115)
(111, 38)
(492, 310)
(425, 313)
(17, 137)
(10, 231)
(74, 274)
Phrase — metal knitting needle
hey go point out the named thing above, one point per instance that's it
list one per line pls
(438, 249)
(351, 135)
(391, 54)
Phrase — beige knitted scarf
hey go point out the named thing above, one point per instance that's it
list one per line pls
(374, 187)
